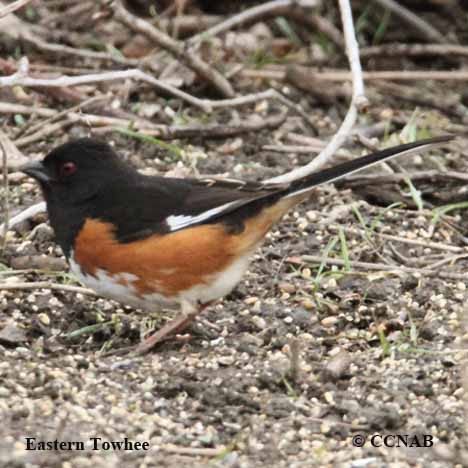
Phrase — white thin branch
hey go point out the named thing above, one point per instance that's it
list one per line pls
(28, 213)
(352, 51)
(358, 102)
(13, 7)
(251, 14)
(21, 78)
(6, 196)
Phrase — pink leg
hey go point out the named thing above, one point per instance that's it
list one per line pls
(189, 312)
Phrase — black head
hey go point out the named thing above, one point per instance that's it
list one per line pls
(76, 171)
(79, 179)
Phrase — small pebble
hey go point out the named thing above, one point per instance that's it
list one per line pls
(329, 321)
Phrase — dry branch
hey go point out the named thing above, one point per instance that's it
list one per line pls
(6, 196)
(64, 113)
(273, 8)
(18, 29)
(168, 132)
(110, 124)
(414, 50)
(449, 105)
(397, 269)
(279, 74)
(46, 285)
(176, 48)
(13, 7)
(403, 240)
(24, 215)
(187, 24)
(413, 20)
(358, 102)
(379, 179)
(21, 78)
(15, 157)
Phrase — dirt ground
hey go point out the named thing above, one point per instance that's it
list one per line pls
(304, 357)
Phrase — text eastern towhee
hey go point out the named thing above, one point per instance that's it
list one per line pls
(148, 241)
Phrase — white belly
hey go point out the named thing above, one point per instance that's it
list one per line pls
(119, 287)
(218, 285)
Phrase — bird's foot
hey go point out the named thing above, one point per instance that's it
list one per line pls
(172, 328)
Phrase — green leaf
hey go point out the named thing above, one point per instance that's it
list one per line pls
(327, 250)
(415, 194)
(439, 212)
(19, 120)
(286, 28)
(88, 330)
(344, 250)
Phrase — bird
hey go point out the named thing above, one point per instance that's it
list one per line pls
(155, 241)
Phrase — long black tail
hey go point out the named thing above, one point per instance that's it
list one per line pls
(337, 172)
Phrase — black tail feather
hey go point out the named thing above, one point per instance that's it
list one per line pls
(337, 172)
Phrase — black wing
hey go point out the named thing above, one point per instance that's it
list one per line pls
(158, 205)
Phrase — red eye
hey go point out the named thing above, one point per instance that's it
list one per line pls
(67, 169)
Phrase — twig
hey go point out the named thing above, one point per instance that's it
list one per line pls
(279, 74)
(322, 91)
(325, 26)
(73, 11)
(414, 20)
(48, 127)
(403, 240)
(61, 49)
(18, 29)
(275, 7)
(316, 259)
(299, 149)
(358, 102)
(64, 113)
(44, 132)
(412, 50)
(452, 259)
(380, 179)
(13, 7)
(256, 97)
(46, 285)
(206, 131)
(6, 197)
(187, 24)
(24, 215)
(449, 105)
(111, 124)
(174, 47)
(9, 108)
(20, 78)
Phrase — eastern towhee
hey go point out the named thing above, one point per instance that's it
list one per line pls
(148, 241)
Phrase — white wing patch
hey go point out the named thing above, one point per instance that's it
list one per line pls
(181, 221)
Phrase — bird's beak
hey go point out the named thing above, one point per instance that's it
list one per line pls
(36, 170)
